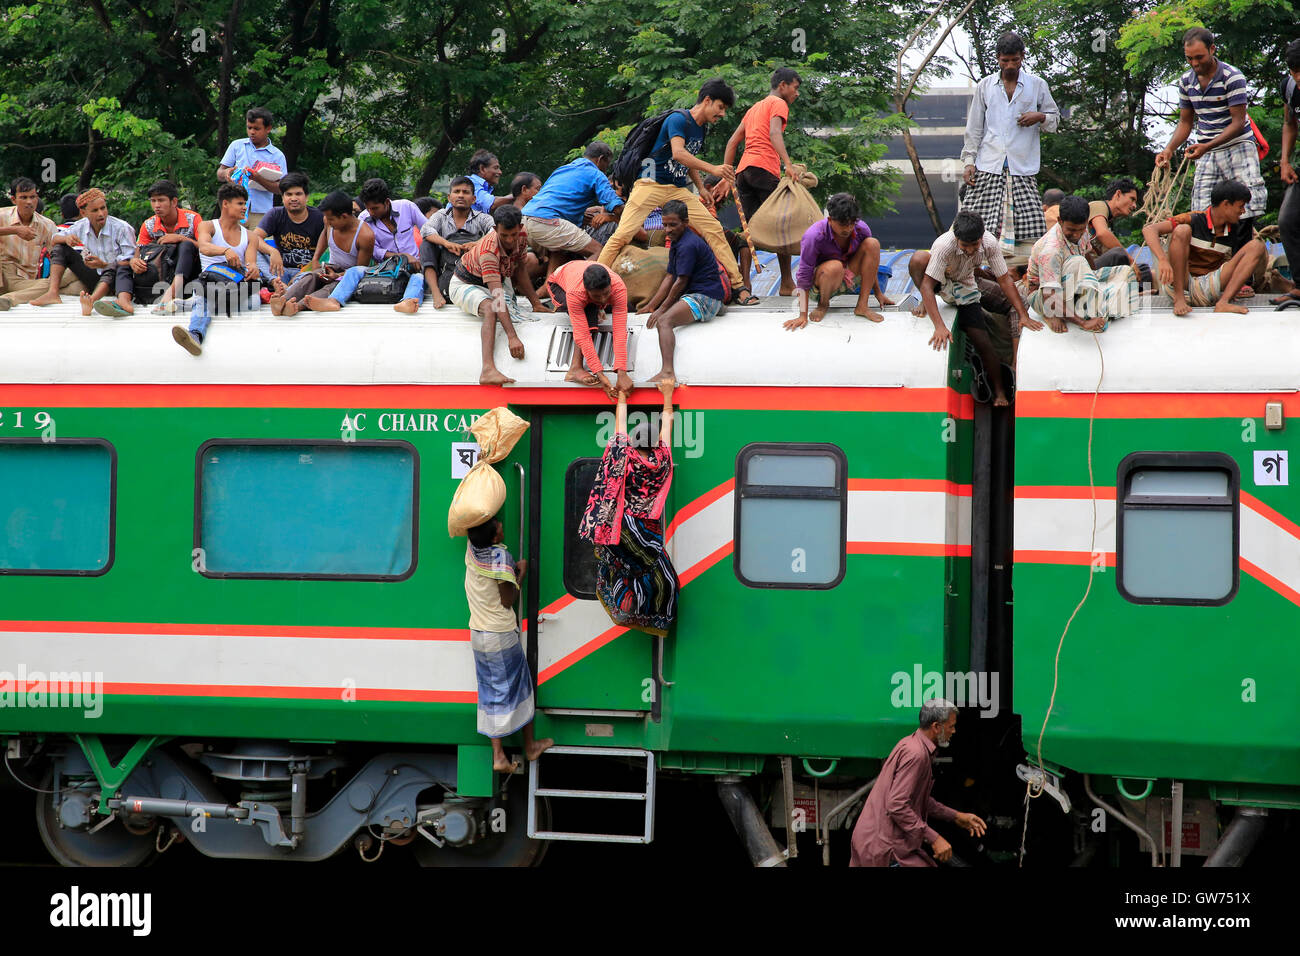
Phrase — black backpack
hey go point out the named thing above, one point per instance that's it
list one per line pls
(638, 145)
(384, 283)
(161, 260)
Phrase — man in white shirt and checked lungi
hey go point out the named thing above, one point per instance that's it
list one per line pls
(1008, 113)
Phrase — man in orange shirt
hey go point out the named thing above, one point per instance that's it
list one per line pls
(762, 132)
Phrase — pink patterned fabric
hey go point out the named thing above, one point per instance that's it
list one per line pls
(629, 482)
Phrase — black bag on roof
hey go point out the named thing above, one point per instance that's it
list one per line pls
(637, 147)
(161, 261)
(384, 283)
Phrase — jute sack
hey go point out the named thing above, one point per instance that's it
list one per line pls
(482, 491)
(785, 216)
(642, 270)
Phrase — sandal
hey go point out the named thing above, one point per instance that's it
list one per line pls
(745, 297)
(1286, 297)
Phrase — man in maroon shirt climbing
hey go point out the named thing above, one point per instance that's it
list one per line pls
(893, 824)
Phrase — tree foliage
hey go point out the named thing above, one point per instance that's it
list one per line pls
(122, 92)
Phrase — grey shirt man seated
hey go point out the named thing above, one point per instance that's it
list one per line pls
(446, 235)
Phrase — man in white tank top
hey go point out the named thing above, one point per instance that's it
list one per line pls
(225, 282)
(350, 242)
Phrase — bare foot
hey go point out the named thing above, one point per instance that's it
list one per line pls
(786, 290)
(819, 312)
(49, 298)
(516, 347)
(664, 375)
(1093, 325)
(87, 303)
(291, 307)
(870, 314)
(919, 311)
(1000, 400)
(277, 305)
(409, 306)
(884, 300)
(322, 303)
(1055, 323)
(1231, 307)
(1181, 307)
(438, 301)
(504, 764)
(582, 377)
(538, 747)
(494, 376)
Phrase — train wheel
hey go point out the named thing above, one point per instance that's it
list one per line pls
(511, 848)
(114, 845)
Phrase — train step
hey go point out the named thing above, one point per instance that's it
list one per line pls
(536, 791)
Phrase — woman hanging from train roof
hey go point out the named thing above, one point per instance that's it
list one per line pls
(635, 579)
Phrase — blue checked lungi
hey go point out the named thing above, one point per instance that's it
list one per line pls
(1239, 161)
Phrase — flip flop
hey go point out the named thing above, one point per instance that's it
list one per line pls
(752, 300)
(111, 308)
(1285, 298)
(980, 389)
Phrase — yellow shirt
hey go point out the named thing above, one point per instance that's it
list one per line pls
(485, 569)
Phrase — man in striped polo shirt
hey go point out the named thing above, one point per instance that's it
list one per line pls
(1212, 98)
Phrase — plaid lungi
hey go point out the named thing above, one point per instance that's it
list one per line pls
(987, 198)
(1239, 161)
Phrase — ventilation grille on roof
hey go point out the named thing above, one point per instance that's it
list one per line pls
(560, 355)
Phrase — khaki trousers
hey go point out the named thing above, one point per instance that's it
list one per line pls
(647, 196)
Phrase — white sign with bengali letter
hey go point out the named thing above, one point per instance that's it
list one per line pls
(1271, 468)
(463, 456)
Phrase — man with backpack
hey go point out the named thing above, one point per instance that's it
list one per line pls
(660, 157)
(1212, 97)
(168, 243)
(394, 223)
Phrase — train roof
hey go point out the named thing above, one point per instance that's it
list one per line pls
(1152, 351)
(1156, 351)
(374, 345)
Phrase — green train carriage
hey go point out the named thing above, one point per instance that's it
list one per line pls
(1176, 697)
(249, 550)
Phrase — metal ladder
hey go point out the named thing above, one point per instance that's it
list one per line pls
(648, 797)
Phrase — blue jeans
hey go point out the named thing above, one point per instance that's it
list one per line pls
(222, 295)
(348, 284)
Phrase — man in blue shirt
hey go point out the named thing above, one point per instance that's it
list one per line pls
(690, 292)
(239, 165)
(485, 173)
(554, 216)
(672, 163)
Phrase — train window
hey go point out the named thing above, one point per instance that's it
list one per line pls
(791, 515)
(57, 504)
(579, 553)
(1177, 528)
(307, 510)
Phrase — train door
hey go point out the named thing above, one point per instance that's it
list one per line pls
(584, 661)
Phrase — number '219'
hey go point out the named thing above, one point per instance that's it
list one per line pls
(41, 419)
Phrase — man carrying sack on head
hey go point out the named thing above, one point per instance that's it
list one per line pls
(492, 582)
